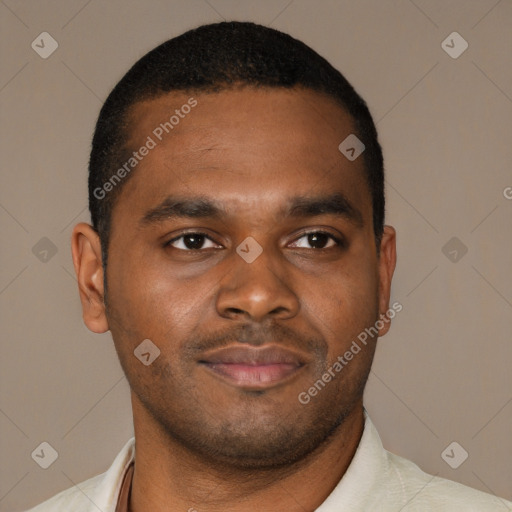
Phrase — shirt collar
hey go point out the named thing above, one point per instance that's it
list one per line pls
(368, 467)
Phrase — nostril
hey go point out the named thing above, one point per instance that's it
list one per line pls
(278, 310)
(235, 311)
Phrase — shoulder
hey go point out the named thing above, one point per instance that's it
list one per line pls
(424, 492)
(388, 482)
(75, 498)
(97, 493)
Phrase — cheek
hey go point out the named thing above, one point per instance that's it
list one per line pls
(155, 301)
(343, 303)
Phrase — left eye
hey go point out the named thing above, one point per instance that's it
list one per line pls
(316, 240)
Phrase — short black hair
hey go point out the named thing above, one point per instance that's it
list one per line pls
(213, 58)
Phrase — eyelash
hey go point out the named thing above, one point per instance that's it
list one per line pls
(340, 243)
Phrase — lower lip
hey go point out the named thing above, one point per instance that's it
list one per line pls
(255, 376)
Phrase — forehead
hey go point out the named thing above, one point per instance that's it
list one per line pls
(242, 112)
(243, 146)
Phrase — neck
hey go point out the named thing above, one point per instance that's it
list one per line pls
(169, 478)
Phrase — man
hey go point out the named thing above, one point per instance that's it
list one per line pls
(239, 257)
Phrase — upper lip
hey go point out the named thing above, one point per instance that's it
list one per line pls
(254, 356)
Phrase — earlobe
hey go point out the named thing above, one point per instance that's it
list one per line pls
(387, 263)
(86, 251)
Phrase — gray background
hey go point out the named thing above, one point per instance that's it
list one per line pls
(442, 374)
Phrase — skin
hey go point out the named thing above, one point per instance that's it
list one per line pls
(203, 442)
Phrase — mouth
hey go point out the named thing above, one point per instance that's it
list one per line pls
(254, 368)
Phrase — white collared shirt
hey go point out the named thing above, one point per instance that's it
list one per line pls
(376, 480)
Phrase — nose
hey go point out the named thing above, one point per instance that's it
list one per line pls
(257, 290)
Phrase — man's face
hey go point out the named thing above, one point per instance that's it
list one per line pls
(239, 340)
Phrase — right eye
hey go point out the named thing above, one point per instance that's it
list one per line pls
(191, 242)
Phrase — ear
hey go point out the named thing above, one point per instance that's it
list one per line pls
(387, 262)
(86, 251)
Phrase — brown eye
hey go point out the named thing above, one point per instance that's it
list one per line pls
(192, 242)
(317, 240)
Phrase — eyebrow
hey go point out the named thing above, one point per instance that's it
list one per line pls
(299, 206)
(333, 204)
